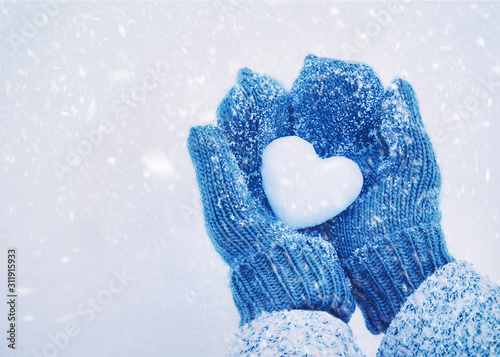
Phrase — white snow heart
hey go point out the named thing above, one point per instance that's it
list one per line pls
(303, 189)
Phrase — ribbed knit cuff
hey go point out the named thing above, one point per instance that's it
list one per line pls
(389, 269)
(301, 274)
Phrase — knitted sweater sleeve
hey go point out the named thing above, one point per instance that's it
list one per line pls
(455, 312)
(295, 333)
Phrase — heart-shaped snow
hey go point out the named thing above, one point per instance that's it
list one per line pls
(303, 189)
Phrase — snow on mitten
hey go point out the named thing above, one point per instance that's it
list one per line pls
(273, 267)
(390, 239)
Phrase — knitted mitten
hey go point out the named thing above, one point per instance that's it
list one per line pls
(273, 267)
(389, 240)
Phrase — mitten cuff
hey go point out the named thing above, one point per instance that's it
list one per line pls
(294, 273)
(389, 269)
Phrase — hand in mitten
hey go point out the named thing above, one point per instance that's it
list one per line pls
(272, 266)
(389, 240)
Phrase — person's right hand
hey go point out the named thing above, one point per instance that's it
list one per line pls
(273, 267)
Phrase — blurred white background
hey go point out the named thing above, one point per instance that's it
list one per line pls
(96, 105)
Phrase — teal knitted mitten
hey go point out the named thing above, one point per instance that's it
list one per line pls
(273, 267)
(390, 239)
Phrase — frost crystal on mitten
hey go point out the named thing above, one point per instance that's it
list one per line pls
(390, 239)
(273, 267)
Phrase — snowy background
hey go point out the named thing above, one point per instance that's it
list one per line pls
(97, 189)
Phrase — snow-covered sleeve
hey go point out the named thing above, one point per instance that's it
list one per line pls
(295, 333)
(455, 312)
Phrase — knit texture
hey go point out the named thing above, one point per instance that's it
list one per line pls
(273, 267)
(389, 240)
(456, 312)
(295, 333)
